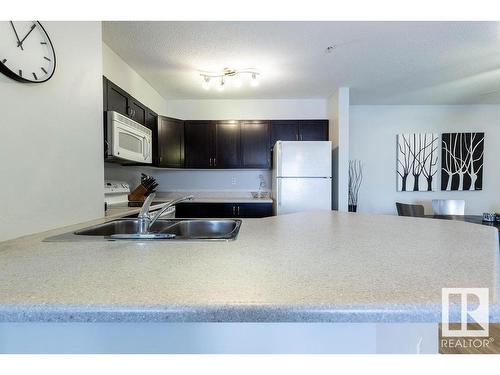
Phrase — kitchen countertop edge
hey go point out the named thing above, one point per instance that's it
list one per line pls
(408, 313)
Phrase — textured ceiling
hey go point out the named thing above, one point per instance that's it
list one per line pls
(382, 62)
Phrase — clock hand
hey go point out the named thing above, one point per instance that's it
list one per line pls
(19, 44)
(29, 32)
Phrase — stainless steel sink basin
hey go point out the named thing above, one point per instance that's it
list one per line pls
(127, 229)
(128, 226)
(204, 229)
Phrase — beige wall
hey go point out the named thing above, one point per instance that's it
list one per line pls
(51, 138)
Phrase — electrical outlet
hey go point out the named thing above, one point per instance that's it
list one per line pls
(233, 181)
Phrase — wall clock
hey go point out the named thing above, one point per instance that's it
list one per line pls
(26, 52)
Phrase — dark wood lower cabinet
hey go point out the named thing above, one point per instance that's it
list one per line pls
(254, 210)
(223, 210)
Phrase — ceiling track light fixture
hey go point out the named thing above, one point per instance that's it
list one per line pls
(228, 74)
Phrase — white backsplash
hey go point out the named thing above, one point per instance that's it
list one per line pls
(191, 180)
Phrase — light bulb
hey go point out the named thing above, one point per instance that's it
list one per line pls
(254, 82)
(206, 83)
(221, 86)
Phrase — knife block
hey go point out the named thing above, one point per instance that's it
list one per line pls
(138, 195)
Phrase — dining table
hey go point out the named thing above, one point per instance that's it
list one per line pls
(476, 219)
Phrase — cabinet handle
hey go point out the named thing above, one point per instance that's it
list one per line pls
(238, 210)
(210, 162)
(215, 162)
(234, 210)
(301, 137)
(297, 136)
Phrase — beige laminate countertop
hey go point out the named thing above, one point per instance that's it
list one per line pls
(317, 266)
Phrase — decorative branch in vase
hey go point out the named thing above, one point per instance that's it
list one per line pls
(355, 179)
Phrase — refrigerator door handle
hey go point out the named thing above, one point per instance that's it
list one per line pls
(278, 191)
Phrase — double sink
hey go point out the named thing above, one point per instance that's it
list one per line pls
(162, 229)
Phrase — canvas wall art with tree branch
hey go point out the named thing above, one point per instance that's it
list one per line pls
(462, 161)
(417, 161)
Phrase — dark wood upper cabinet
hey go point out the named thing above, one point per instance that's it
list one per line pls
(210, 144)
(299, 130)
(151, 119)
(313, 130)
(137, 111)
(227, 145)
(152, 124)
(198, 144)
(170, 142)
(116, 98)
(255, 144)
(284, 130)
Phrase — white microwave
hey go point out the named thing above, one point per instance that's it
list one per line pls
(127, 139)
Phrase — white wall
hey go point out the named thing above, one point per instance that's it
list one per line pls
(257, 109)
(373, 131)
(51, 145)
(192, 180)
(120, 73)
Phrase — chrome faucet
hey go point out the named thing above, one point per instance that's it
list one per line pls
(146, 220)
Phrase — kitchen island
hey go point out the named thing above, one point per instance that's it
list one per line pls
(319, 266)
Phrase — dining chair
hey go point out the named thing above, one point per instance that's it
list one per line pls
(448, 206)
(415, 210)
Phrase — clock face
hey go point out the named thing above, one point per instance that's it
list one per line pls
(26, 52)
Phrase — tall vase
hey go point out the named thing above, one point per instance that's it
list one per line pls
(352, 207)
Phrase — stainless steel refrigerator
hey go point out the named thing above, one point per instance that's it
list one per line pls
(302, 176)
